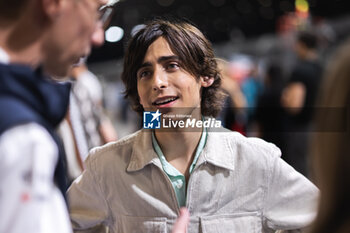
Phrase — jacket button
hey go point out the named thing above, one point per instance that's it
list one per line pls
(179, 184)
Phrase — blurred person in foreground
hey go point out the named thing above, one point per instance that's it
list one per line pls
(331, 146)
(298, 100)
(38, 39)
(229, 183)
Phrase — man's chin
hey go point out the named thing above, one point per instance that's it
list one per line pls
(58, 72)
(61, 75)
(80, 61)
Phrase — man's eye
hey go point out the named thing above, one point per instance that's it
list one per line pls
(173, 66)
(143, 74)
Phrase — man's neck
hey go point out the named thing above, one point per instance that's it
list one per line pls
(179, 146)
(21, 41)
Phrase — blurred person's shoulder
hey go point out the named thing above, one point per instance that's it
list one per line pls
(31, 138)
(27, 133)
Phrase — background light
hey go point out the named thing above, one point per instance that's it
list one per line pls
(114, 34)
(302, 5)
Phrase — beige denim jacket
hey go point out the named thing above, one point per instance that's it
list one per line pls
(238, 185)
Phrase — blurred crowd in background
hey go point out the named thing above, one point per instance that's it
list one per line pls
(271, 80)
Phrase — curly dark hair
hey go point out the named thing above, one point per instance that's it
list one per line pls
(194, 51)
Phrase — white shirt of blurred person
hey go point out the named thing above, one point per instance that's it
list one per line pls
(86, 124)
(51, 34)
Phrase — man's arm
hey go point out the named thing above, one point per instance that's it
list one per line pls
(291, 199)
(293, 97)
(89, 211)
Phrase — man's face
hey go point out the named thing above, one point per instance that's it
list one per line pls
(71, 35)
(163, 83)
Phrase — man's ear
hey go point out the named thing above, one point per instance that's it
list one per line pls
(206, 81)
(52, 8)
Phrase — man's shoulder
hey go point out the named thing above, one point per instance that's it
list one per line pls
(241, 140)
(29, 136)
(16, 113)
(27, 132)
(114, 150)
(248, 147)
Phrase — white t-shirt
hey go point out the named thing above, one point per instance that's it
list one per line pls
(29, 199)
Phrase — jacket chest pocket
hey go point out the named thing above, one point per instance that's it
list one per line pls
(131, 224)
(232, 223)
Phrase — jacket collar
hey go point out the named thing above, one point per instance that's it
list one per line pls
(142, 152)
(217, 151)
(31, 87)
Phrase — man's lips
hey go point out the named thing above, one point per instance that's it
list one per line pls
(164, 100)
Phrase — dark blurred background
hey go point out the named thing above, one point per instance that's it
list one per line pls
(220, 20)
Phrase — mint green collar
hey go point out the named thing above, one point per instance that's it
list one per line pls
(177, 178)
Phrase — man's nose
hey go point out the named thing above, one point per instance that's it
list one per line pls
(98, 35)
(160, 80)
(104, 2)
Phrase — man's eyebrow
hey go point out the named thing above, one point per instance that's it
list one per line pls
(166, 58)
(145, 65)
(160, 60)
